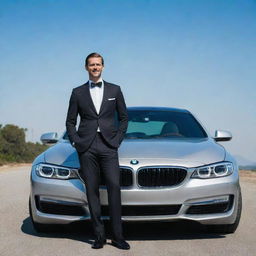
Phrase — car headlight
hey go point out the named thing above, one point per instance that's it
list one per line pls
(56, 172)
(213, 171)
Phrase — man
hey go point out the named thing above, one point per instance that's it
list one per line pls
(96, 141)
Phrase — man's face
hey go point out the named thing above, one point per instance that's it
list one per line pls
(94, 68)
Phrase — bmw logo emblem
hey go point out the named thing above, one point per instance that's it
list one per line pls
(134, 161)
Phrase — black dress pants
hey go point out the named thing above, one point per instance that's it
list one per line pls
(102, 159)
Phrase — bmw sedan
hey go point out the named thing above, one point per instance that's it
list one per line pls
(171, 169)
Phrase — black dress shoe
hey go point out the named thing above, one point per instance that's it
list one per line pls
(98, 243)
(122, 244)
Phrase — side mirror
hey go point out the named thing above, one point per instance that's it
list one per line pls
(50, 138)
(222, 135)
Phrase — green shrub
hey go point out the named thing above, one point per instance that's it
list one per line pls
(14, 148)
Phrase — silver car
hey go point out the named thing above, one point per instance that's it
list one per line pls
(171, 169)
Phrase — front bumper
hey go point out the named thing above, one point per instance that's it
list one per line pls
(211, 201)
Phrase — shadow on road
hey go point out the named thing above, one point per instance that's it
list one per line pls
(82, 231)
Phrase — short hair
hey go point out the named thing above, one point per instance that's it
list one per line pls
(94, 54)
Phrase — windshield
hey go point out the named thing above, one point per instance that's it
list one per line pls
(145, 124)
(149, 124)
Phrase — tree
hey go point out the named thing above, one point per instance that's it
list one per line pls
(13, 147)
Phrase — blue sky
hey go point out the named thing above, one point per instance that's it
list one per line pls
(198, 55)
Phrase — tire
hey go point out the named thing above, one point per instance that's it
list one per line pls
(39, 228)
(228, 228)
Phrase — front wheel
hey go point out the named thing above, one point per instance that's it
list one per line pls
(228, 228)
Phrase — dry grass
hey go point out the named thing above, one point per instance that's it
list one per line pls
(13, 166)
(247, 175)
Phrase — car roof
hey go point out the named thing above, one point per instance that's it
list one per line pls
(158, 109)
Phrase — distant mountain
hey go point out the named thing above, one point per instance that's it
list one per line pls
(244, 163)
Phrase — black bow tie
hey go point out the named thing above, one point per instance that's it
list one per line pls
(99, 84)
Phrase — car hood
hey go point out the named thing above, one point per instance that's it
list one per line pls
(179, 152)
(63, 154)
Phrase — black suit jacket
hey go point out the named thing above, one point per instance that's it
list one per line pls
(81, 103)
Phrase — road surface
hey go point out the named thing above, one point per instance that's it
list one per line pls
(17, 236)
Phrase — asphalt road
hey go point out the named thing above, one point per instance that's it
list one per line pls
(17, 236)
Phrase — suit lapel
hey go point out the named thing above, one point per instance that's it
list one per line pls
(105, 96)
(88, 94)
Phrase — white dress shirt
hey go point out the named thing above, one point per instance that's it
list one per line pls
(97, 95)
